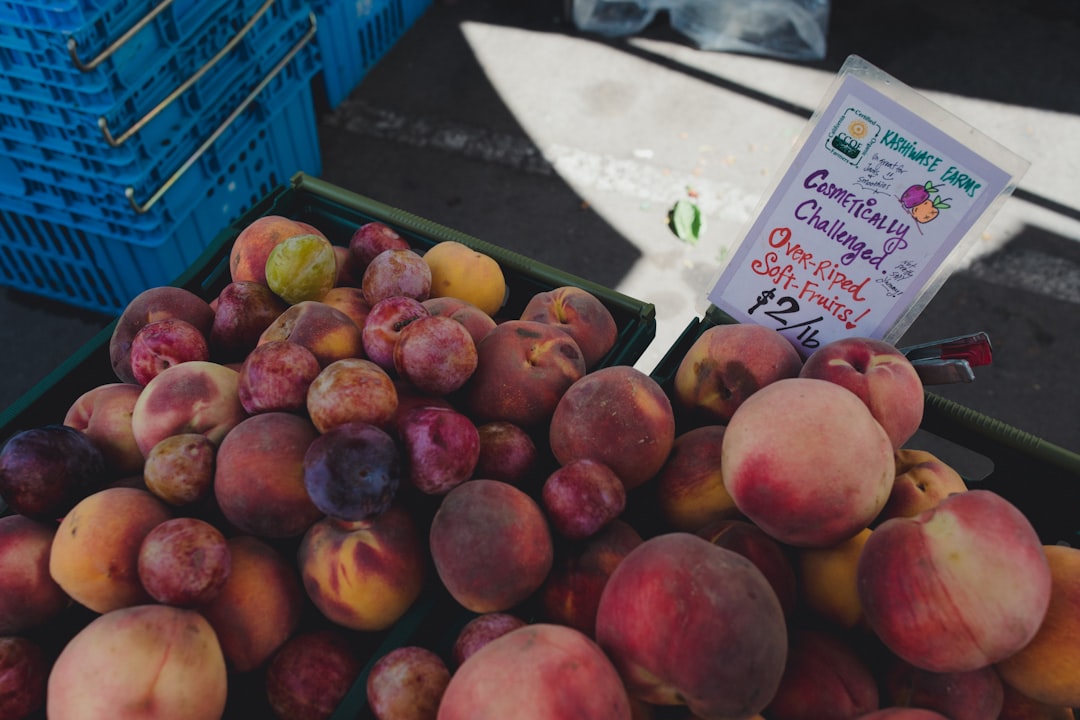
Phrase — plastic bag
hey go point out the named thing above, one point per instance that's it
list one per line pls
(790, 29)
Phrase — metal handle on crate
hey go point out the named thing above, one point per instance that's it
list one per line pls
(172, 179)
(73, 44)
(117, 141)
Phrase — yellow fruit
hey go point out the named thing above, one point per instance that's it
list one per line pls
(302, 267)
(460, 272)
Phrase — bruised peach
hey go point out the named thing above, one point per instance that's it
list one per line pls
(326, 331)
(581, 315)
(364, 574)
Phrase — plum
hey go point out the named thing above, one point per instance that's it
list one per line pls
(441, 446)
(352, 471)
(45, 471)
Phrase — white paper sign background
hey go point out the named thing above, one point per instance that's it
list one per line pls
(873, 203)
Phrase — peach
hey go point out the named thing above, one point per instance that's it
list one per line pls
(103, 414)
(581, 315)
(352, 472)
(507, 452)
(384, 325)
(618, 416)
(523, 369)
(29, 597)
(1047, 669)
(152, 304)
(971, 695)
(690, 488)
(351, 301)
(407, 683)
(244, 310)
(437, 355)
(365, 574)
(440, 447)
(804, 460)
(180, 469)
(348, 276)
(769, 556)
(275, 377)
(581, 497)
(371, 239)
(571, 593)
(164, 343)
(192, 397)
(44, 471)
(351, 390)
(95, 554)
(824, 677)
(960, 586)
(479, 631)
(537, 671)
(491, 545)
(310, 675)
(396, 273)
(24, 671)
(259, 607)
(726, 364)
(689, 623)
(475, 320)
(184, 562)
(252, 247)
(828, 580)
(1017, 706)
(921, 482)
(145, 661)
(880, 375)
(324, 330)
(462, 272)
(259, 476)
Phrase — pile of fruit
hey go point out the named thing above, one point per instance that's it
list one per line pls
(279, 474)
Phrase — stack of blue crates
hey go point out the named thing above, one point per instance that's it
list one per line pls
(355, 34)
(133, 131)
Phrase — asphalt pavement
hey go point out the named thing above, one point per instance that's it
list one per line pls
(501, 120)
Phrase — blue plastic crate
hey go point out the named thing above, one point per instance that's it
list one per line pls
(61, 255)
(70, 141)
(354, 35)
(73, 15)
(157, 67)
(97, 192)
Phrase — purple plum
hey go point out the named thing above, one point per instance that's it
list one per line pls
(352, 471)
(44, 471)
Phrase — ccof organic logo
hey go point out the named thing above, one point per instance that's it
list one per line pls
(852, 135)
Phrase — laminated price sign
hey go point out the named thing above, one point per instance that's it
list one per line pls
(884, 192)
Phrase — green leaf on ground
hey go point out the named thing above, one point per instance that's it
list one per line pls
(687, 222)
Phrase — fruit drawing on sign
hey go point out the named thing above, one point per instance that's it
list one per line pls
(918, 203)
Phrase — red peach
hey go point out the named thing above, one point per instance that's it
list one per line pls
(259, 476)
(29, 597)
(195, 396)
(960, 586)
(24, 671)
(971, 695)
(523, 369)
(491, 545)
(880, 375)
(537, 671)
(690, 487)
(758, 547)
(618, 416)
(243, 311)
(581, 315)
(103, 414)
(324, 330)
(804, 460)
(922, 481)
